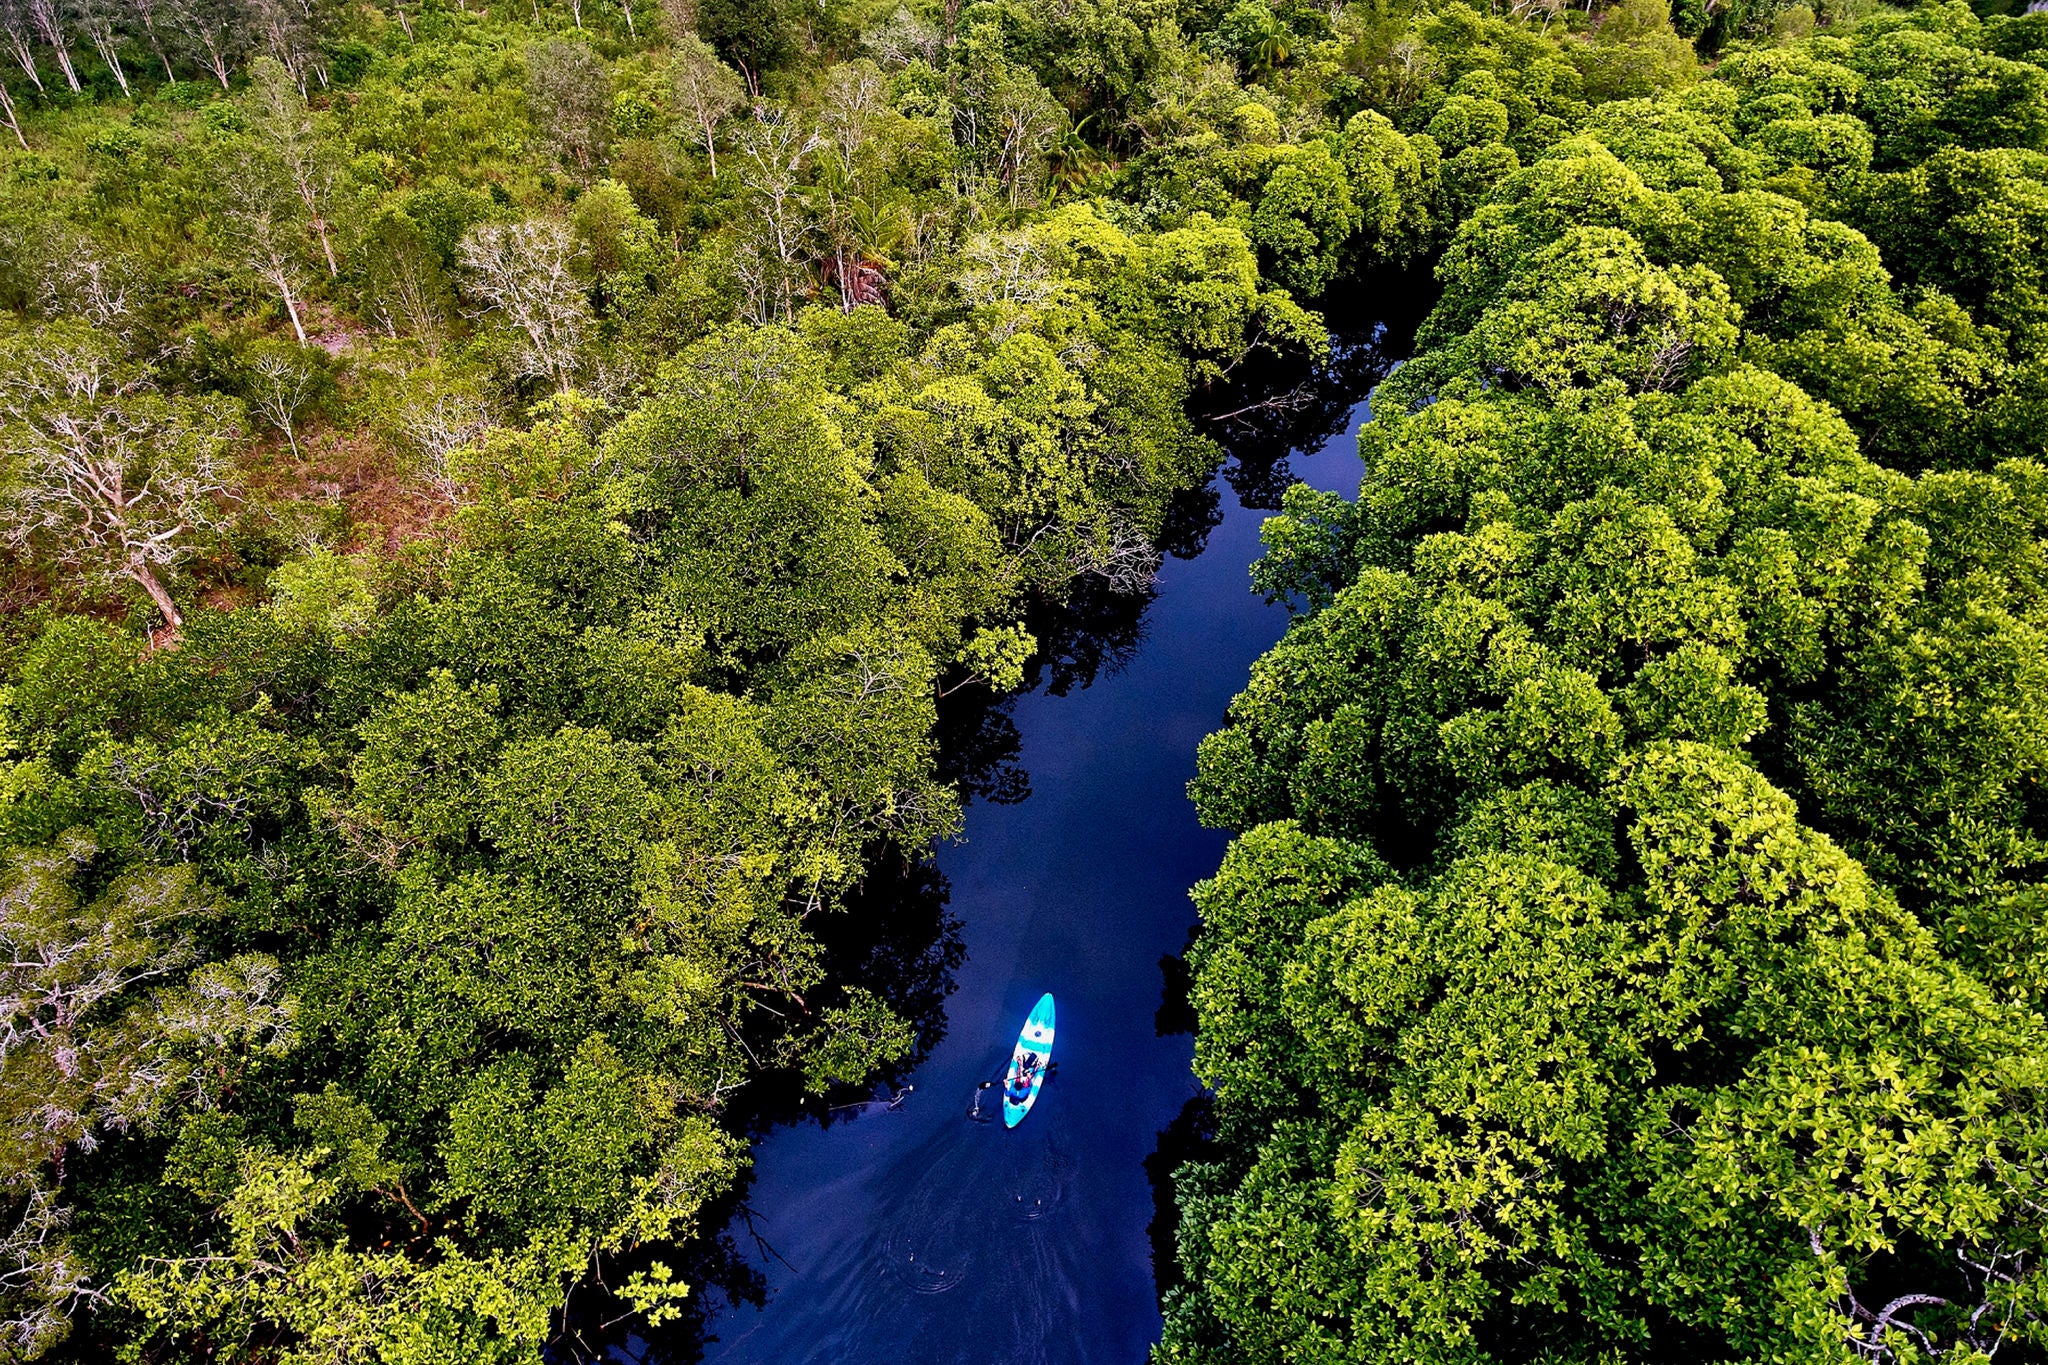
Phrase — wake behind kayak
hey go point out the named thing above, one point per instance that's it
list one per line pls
(1028, 1063)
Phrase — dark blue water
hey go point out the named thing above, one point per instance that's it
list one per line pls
(919, 1235)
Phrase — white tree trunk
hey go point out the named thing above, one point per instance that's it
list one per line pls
(25, 57)
(141, 574)
(13, 123)
(105, 43)
(291, 306)
(43, 13)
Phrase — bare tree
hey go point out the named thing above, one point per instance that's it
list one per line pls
(80, 277)
(856, 93)
(1008, 280)
(903, 38)
(49, 25)
(708, 89)
(773, 147)
(146, 12)
(439, 419)
(101, 20)
(1997, 1305)
(280, 382)
(43, 1281)
(520, 271)
(64, 962)
(7, 113)
(569, 97)
(104, 1021)
(213, 29)
(286, 29)
(283, 126)
(18, 30)
(263, 227)
(114, 481)
(1119, 554)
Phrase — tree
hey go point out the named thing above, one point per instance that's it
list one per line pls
(708, 88)
(1630, 693)
(569, 98)
(1635, 51)
(18, 29)
(102, 21)
(902, 38)
(263, 224)
(49, 25)
(212, 30)
(112, 480)
(1259, 38)
(284, 133)
(521, 272)
(7, 111)
(80, 275)
(1011, 121)
(752, 34)
(407, 288)
(108, 1017)
(1304, 218)
(440, 417)
(855, 98)
(773, 147)
(146, 12)
(288, 39)
(281, 379)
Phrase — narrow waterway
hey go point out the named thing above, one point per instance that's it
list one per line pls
(916, 1233)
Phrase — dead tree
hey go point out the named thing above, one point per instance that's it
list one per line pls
(520, 271)
(18, 31)
(114, 480)
(284, 126)
(49, 25)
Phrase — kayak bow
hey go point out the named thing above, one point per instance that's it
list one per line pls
(1028, 1063)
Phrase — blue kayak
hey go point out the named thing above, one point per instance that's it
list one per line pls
(1028, 1063)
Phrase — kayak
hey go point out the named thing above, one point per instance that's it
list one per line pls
(1028, 1063)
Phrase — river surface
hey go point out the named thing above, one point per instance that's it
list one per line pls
(918, 1234)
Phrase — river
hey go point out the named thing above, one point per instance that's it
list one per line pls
(916, 1234)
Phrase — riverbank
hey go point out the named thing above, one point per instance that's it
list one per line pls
(915, 1233)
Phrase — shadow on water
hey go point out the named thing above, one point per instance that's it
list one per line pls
(1176, 1012)
(1277, 408)
(1092, 634)
(1190, 1137)
(896, 936)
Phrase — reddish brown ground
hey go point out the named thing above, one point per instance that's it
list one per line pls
(352, 468)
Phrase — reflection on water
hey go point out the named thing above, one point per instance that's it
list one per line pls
(876, 1233)
(1190, 1137)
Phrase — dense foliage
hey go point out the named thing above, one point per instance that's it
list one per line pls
(491, 507)
(1631, 947)
(493, 500)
